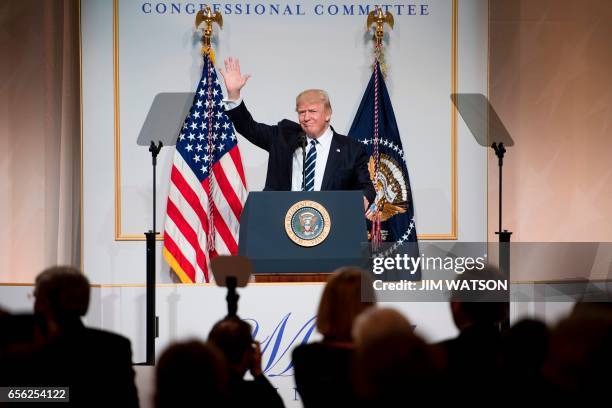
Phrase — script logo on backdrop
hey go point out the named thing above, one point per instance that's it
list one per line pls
(276, 346)
(278, 343)
(282, 9)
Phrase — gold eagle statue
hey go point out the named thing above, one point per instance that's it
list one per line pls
(391, 192)
(377, 16)
(208, 17)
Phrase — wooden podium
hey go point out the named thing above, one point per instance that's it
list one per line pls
(291, 277)
(270, 220)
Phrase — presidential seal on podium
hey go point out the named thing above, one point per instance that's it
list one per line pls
(307, 223)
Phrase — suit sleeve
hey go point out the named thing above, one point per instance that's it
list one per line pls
(124, 377)
(363, 175)
(259, 134)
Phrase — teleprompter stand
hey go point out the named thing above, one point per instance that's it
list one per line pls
(489, 131)
(162, 124)
(231, 272)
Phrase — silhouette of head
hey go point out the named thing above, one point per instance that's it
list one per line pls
(389, 355)
(233, 337)
(341, 303)
(62, 294)
(473, 307)
(189, 371)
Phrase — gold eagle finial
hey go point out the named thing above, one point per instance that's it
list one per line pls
(377, 16)
(208, 17)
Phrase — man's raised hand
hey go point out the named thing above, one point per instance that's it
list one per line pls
(234, 81)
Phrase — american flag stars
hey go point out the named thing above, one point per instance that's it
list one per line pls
(197, 123)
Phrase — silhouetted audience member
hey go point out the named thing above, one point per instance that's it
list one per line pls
(21, 339)
(191, 374)
(377, 322)
(524, 351)
(323, 369)
(95, 364)
(233, 337)
(474, 356)
(393, 365)
(580, 357)
(593, 310)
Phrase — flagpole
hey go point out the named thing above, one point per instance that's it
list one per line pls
(379, 18)
(151, 320)
(207, 17)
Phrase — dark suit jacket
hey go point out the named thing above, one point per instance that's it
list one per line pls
(95, 364)
(473, 359)
(256, 393)
(323, 375)
(346, 167)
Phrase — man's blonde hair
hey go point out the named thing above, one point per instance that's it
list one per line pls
(314, 96)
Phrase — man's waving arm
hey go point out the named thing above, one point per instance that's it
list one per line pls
(259, 134)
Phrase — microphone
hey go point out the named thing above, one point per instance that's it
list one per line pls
(302, 142)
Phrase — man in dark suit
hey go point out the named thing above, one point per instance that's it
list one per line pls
(95, 364)
(332, 161)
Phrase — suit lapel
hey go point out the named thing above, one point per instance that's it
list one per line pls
(333, 161)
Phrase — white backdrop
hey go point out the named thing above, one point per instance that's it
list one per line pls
(157, 50)
(285, 54)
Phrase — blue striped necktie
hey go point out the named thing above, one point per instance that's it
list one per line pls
(309, 166)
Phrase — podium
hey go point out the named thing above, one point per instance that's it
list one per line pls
(271, 218)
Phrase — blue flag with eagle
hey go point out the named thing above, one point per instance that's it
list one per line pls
(376, 128)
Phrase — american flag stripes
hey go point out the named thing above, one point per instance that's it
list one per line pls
(207, 186)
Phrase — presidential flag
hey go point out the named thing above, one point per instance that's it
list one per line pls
(207, 186)
(376, 128)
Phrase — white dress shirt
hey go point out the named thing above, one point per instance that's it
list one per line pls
(322, 153)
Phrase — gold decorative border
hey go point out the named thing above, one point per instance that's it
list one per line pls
(489, 98)
(120, 236)
(289, 218)
(452, 235)
(81, 193)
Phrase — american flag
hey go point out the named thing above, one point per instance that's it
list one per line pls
(207, 186)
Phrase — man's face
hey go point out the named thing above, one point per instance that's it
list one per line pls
(313, 118)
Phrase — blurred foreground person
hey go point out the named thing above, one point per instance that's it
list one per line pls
(323, 369)
(95, 364)
(393, 366)
(474, 356)
(233, 337)
(191, 374)
(524, 351)
(580, 357)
